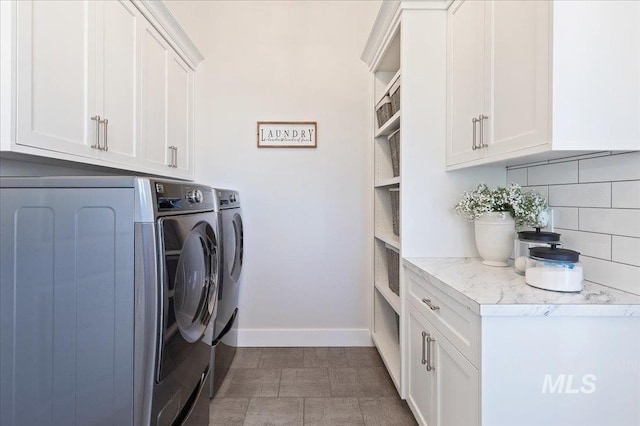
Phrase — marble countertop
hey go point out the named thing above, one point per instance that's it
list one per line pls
(494, 291)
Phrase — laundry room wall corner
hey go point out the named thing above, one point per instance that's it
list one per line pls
(307, 212)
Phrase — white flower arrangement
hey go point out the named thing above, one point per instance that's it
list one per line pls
(524, 207)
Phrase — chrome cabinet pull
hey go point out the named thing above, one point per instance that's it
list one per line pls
(172, 160)
(175, 157)
(474, 121)
(481, 119)
(96, 118)
(106, 143)
(424, 360)
(431, 305)
(429, 340)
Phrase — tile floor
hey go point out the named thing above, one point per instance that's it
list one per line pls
(308, 386)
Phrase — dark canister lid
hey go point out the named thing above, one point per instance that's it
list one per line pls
(538, 235)
(554, 253)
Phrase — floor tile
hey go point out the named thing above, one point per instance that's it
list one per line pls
(275, 411)
(386, 411)
(361, 382)
(251, 382)
(228, 411)
(363, 357)
(325, 357)
(281, 358)
(304, 382)
(332, 412)
(246, 358)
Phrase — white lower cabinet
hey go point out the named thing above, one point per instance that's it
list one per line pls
(504, 369)
(443, 385)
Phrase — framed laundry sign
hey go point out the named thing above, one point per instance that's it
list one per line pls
(287, 134)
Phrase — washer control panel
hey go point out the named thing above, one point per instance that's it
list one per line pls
(176, 196)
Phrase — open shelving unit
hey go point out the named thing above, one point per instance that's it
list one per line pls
(385, 318)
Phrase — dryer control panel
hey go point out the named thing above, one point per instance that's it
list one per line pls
(176, 197)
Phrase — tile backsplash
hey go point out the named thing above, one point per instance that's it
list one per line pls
(596, 204)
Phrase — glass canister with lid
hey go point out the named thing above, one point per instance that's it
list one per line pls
(553, 268)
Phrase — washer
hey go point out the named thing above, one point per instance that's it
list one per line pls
(108, 328)
(189, 254)
(225, 329)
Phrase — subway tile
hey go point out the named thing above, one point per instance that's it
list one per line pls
(611, 168)
(542, 190)
(565, 217)
(612, 274)
(581, 195)
(579, 157)
(558, 173)
(587, 243)
(626, 250)
(518, 176)
(623, 222)
(626, 195)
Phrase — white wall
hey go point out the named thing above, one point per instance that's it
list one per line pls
(307, 212)
(596, 204)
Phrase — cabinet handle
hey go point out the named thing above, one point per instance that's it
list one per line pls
(175, 157)
(106, 143)
(474, 121)
(424, 360)
(481, 119)
(171, 161)
(429, 340)
(96, 118)
(431, 305)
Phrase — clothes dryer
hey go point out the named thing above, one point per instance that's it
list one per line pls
(225, 326)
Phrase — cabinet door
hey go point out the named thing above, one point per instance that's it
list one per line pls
(180, 109)
(117, 71)
(154, 58)
(66, 306)
(465, 63)
(517, 75)
(55, 75)
(457, 385)
(421, 387)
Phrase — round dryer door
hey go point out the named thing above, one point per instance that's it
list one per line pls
(235, 265)
(195, 283)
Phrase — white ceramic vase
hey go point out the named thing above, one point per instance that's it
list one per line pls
(495, 232)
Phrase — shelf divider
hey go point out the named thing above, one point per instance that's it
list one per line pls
(390, 126)
(389, 296)
(387, 182)
(389, 238)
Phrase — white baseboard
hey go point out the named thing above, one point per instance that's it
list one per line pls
(304, 337)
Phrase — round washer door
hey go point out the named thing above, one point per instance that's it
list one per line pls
(235, 265)
(195, 283)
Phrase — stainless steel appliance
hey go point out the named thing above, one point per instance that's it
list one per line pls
(106, 287)
(225, 333)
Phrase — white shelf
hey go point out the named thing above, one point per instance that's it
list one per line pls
(388, 87)
(390, 126)
(390, 238)
(390, 353)
(389, 296)
(387, 182)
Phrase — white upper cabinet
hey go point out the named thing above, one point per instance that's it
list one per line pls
(117, 70)
(465, 61)
(56, 87)
(154, 60)
(99, 82)
(556, 76)
(180, 107)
